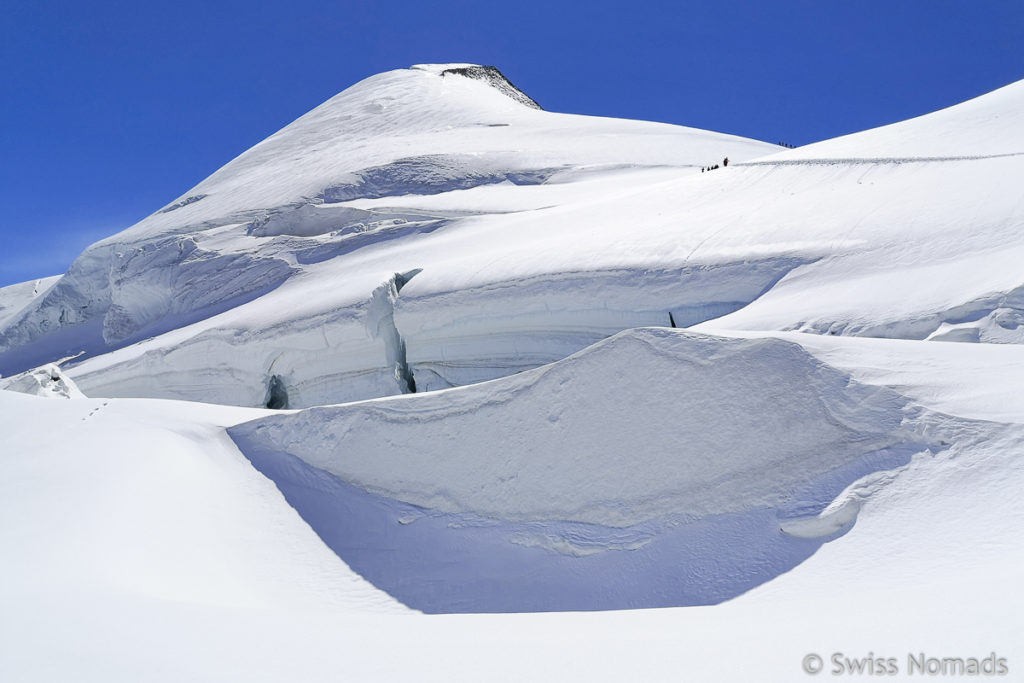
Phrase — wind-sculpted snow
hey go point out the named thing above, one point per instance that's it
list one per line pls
(436, 129)
(474, 334)
(115, 295)
(271, 271)
(14, 298)
(130, 512)
(48, 381)
(349, 352)
(434, 174)
(652, 469)
(467, 335)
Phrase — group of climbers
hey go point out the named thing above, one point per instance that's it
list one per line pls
(725, 162)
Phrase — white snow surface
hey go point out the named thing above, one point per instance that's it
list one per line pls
(14, 298)
(393, 164)
(690, 425)
(48, 381)
(524, 243)
(657, 447)
(976, 381)
(986, 126)
(149, 501)
(931, 564)
(819, 464)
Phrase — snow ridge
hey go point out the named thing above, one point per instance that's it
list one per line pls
(493, 77)
(704, 447)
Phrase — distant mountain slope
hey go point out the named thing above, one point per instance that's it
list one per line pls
(285, 204)
(989, 125)
(424, 229)
(932, 222)
(15, 298)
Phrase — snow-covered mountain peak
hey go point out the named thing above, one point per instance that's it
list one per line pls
(299, 198)
(452, 126)
(488, 74)
(438, 69)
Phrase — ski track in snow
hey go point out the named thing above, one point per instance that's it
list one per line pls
(853, 161)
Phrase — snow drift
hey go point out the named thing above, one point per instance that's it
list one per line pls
(652, 469)
(48, 381)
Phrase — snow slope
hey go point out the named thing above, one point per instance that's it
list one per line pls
(937, 232)
(977, 381)
(14, 298)
(281, 205)
(931, 564)
(291, 213)
(851, 491)
(150, 501)
(843, 237)
(991, 125)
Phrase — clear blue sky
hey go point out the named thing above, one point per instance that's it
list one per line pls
(111, 109)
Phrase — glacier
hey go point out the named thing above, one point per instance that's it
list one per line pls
(343, 187)
(431, 348)
(633, 233)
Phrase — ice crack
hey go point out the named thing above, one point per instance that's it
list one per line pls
(381, 322)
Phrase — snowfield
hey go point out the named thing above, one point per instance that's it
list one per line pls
(430, 356)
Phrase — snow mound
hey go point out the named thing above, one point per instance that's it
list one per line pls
(48, 381)
(655, 468)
